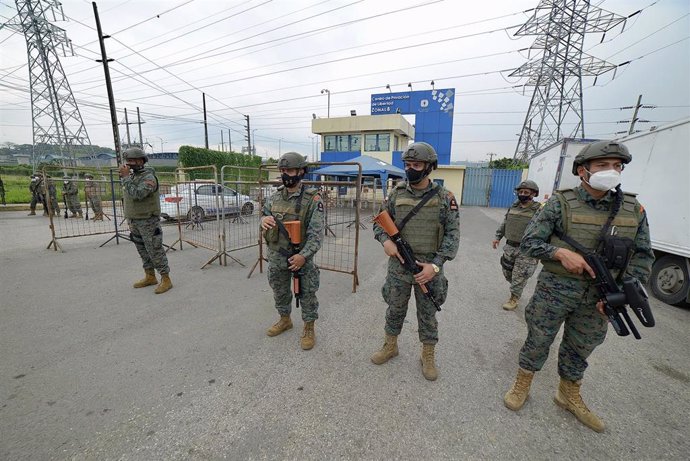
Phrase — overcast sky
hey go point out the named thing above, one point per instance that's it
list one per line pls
(271, 59)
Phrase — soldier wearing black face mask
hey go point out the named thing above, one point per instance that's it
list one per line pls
(426, 215)
(294, 202)
(517, 267)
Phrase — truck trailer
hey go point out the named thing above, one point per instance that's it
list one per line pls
(660, 176)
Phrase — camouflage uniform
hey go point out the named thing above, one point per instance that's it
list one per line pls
(37, 195)
(561, 297)
(517, 267)
(142, 210)
(399, 281)
(52, 196)
(92, 190)
(70, 192)
(311, 214)
(2, 192)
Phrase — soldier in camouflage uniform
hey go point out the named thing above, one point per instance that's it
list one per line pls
(565, 292)
(143, 210)
(433, 234)
(294, 202)
(517, 268)
(92, 191)
(52, 196)
(2, 192)
(37, 194)
(70, 194)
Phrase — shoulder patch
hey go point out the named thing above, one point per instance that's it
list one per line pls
(452, 202)
(319, 206)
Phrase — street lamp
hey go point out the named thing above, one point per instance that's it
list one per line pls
(162, 142)
(329, 101)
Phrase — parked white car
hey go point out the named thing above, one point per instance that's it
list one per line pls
(199, 200)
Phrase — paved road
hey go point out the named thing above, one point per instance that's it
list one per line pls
(93, 369)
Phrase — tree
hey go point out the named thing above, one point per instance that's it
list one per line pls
(507, 163)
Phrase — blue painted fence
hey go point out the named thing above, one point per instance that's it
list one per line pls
(489, 187)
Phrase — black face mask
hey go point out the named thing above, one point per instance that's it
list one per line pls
(524, 198)
(415, 176)
(291, 181)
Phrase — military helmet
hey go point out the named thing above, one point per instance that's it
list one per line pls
(292, 160)
(528, 184)
(88, 176)
(420, 152)
(135, 152)
(601, 149)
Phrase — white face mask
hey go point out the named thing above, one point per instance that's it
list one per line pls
(604, 180)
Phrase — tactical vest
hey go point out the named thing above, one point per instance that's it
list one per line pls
(283, 210)
(144, 208)
(424, 232)
(517, 220)
(583, 223)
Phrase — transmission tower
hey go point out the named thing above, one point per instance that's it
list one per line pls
(556, 73)
(55, 116)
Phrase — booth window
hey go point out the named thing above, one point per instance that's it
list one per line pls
(377, 142)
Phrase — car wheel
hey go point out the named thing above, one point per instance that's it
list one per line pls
(670, 281)
(196, 214)
(247, 208)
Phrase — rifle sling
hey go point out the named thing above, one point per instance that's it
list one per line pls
(425, 198)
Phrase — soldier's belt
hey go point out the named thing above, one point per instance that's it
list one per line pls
(512, 243)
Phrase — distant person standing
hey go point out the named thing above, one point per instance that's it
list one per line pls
(52, 196)
(294, 202)
(70, 193)
(142, 210)
(517, 267)
(92, 191)
(37, 194)
(2, 192)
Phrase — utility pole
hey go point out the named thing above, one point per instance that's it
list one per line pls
(129, 142)
(109, 87)
(141, 139)
(634, 117)
(205, 124)
(249, 136)
(222, 143)
(229, 141)
(491, 158)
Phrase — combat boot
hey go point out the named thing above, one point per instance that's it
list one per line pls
(428, 365)
(98, 217)
(80, 214)
(511, 304)
(45, 212)
(308, 337)
(568, 397)
(149, 279)
(73, 215)
(165, 284)
(517, 395)
(387, 352)
(32, 213)
(284, 324)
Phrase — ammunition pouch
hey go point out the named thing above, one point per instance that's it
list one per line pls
(617, 251)
(271, 235)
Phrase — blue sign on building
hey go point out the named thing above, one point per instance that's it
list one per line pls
(433, 110)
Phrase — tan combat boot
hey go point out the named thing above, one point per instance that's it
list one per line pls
(149, 279)
(73, 215)
(516, 396)
(284, 324)
(428, 366)
(568, 397)
(32, 213)
(387, 352)
(80, 214)
(98, 217)
(511, 304)
(165, 284)
(308, 337)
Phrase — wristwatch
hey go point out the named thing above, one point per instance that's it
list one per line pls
(436, 268)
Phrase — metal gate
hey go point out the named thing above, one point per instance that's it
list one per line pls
(490, 187)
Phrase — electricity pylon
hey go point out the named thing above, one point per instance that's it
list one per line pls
(557, 72)
(56, 119)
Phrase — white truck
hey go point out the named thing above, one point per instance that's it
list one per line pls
(660, 174)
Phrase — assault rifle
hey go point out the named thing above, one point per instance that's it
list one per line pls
(293, 230)
(384, 220)
(633, 294)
